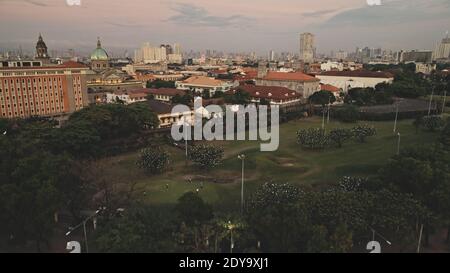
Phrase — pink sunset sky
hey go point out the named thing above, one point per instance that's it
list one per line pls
(231, 25)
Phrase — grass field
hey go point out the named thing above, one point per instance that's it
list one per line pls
(221, 186)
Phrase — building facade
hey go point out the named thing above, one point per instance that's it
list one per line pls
(99, 58)
(307, 47)
(42, 51)
(274, 95)
(301, 83)
(423, 56)
(346, 80)
(442, 51)
(46, 91)
(201, 84)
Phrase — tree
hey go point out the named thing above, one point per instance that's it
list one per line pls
(423, 173)
(361, 132)
(191, 209)
(276, 219)
(157, 84)
(206, 94)
(206, 156)
(339, 136)
(352, 184)
(312, 138)
(348, 113)
(153, 160)
(369, 96)
(185, 99)
(264, 101)
(322, 98)
(445, 135)
(431, 123)
(240, 96)
(341, 241)
(218, 94)
(29, 203)
(142, 229)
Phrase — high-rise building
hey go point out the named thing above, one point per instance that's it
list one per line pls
(307, 47)
(150, 54)
(36, 90)
(271, 57)
(169, 49)
(421, 56)
(341, 55)
(177, 49)
(442, 51)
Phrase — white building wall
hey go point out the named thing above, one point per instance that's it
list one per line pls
(346, 83)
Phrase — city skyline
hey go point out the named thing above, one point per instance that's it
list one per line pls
(233, 26)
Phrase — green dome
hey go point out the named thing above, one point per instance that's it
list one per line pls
(99, 54)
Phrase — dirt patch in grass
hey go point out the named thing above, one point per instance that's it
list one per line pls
(220, 179)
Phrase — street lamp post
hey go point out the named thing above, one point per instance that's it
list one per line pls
(431, 100)
(396, 118)
(185, 140)
(328, 111)
(230, 226)
(374, 232)
(84, 229)
(242, 157)
(443, 103)
(323, 118)
(398, 143)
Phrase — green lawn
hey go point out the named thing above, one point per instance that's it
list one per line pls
(290, 163)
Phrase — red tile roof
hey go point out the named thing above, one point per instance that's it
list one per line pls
(329, 87)
(292, 76)
(65, 65)
(269, 92)
(167, 91)
(359, 73)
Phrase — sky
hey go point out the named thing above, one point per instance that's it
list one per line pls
(227, 25)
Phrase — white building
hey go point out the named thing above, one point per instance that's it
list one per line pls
(341, 55)
(346, 80)
(442, 51)
(329, 66)
(150, 54)
(127, 97)
(202, 84)
(425, 68)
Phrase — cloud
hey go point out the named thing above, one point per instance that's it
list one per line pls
(124, 25)
(38, 3)
(319, 13)
(391, 13)
(192, 15)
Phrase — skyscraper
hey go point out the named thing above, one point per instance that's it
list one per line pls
(271, 57)
(442, 51)
(307, 47)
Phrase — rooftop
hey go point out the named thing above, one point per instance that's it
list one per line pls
(203, 81)
(291, 76)
(329, 87)
(167, 91)
(359, 73)
(269, 92)
(159, 107)
(66, 65)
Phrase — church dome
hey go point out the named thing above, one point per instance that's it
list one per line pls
(99, 54)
